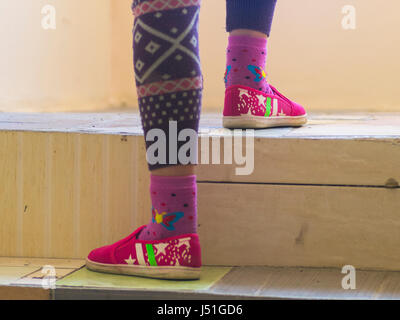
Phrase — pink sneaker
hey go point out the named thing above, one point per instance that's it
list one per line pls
(177, 257)
(249, 108)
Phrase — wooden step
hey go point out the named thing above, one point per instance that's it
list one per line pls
(18, 281)
(324, 195)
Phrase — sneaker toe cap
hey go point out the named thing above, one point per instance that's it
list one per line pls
(298, 110)
(100, 255)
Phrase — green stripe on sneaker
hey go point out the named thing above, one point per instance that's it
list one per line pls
(150, 254)
(268, 107)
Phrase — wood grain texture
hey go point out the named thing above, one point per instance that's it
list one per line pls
(261, 283)
(314, 226)
(314, 199)
(93, 215)
(10, 274)
(257, 282)
(36, 189)
(120, 187)
(143, 206)
(68, 193)
(62, 233)
(316, 161)
(8, 191)
(24, 293)
(306, 283)
(40, 262)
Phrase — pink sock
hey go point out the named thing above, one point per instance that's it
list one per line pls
(246, 60)
(174, 211)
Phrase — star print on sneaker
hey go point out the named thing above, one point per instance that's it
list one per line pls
(176, 257)
(246, 107)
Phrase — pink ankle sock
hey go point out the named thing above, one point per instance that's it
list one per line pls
(174, 211)
(246, 60)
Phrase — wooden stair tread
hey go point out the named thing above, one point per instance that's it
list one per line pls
(232, 283)
(341, 125)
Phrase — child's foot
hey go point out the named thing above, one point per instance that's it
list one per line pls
(168, 247)
(250, 102)
(177, 257)
(249, 108)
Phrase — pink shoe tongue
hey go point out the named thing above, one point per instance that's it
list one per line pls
(138, 231)
(268, 90)
(276, 92)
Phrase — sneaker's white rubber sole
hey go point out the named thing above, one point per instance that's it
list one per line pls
(158, 272)
(257, 122)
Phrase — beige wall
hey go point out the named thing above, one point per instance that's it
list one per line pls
(63, 69)
(86, 63)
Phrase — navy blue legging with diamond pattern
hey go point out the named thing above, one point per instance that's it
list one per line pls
(166, 58)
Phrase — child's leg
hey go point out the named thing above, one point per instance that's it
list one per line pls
(250, 102)
(249, 24)
(251, 15)
(169, 86)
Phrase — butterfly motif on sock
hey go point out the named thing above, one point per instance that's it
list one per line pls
(258, 72)
(167, 220)
(228, 69)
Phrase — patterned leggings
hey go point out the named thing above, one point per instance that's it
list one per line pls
(167, 64)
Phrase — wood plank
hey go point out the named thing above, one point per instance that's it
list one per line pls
(92, 194)
(24, 293)
(38, 279)
(332, 149)
(317, 283)
(314, 226)
(306, 283)
(11, 274)
(35, 190)
(344, 149)
(63, 195)
(40, 262)
(241, 281)
(316, 161)
(250, 283)
(390, 287)
(121, 188)
(80, 192)
(84, 278)
(8, 191)
(65, 293)
(143, 207)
